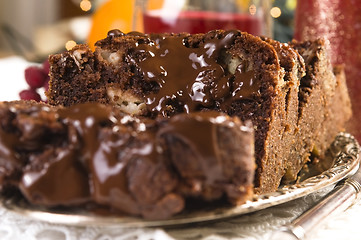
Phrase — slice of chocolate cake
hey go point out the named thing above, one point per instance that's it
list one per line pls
(324, 106)
(162, 75)
(94, 154)
(294, 67)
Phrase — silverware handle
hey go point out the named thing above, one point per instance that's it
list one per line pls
(337, 201)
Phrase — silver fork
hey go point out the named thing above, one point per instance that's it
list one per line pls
(344, 195)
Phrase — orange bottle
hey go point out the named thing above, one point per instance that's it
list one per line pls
(113, 14)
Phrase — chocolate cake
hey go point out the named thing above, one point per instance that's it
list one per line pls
(94, 155)
(288, 91)
(324, 106)
(164, 75)
(146, 123)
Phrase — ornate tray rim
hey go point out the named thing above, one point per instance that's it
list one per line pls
(345, 150)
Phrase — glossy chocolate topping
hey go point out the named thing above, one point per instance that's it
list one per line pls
(61, 181)
(84, 121)
(108, 153)
(192, 76)
(199, 132)
(244, 83)
(64, 179)
(8, 157)
(101, 147)
(115, 33)
(116, 160)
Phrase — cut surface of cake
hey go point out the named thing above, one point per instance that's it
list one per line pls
(324, 106)
(90, 154)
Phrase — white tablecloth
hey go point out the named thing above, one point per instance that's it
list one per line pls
(258, 225)
(12, 77)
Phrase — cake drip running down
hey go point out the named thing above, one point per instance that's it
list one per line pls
(93, 154)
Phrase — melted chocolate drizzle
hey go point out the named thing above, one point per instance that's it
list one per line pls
(112, 159)
(198, 131)
(100, 146)
(191, 76)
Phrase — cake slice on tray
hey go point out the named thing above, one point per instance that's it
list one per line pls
(90, 154)
(324, 106)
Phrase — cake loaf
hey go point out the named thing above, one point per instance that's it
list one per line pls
(90, 155)
(281, 88)
(324, 106)
(163, 75)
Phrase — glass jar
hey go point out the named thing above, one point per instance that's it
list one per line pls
(200, 16)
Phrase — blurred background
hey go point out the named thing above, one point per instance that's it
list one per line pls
(34, 29)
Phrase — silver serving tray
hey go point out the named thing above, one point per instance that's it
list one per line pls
(344, 152)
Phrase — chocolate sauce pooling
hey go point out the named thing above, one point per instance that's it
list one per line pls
(192, 76)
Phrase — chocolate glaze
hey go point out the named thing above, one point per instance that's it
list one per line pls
(112, 159)
(9, 159)
(115, 33)
(19, 135)
(84, 121)
(244, 83)
(108, 153)
(198, 131)
(117, 152)
(94, 165)
(193, 76)
(68, 164)
(196, 153)
(62, 181)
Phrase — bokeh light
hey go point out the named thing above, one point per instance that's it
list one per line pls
(275, 12)
(70, 44)
(85, 5)
(252, 9)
